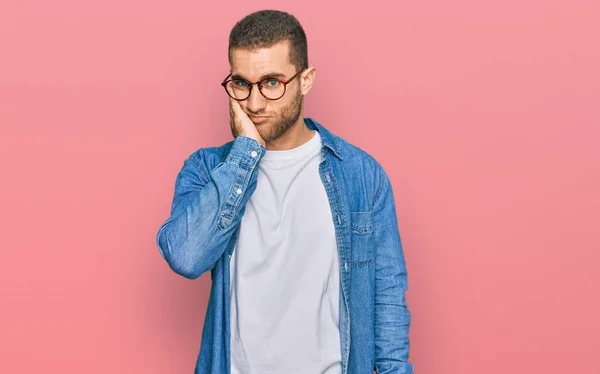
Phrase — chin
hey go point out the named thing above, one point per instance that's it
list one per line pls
(261, 131)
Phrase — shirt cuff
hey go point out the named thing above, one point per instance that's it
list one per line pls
(245, 150)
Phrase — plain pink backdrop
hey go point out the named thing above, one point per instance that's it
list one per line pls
(484, 114)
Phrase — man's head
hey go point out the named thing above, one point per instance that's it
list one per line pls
(271, 44)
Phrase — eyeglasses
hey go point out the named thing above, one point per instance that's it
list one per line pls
(270, 88)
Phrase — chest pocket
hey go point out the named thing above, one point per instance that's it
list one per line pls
(362, 238)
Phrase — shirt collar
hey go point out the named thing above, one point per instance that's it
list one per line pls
(327, 138)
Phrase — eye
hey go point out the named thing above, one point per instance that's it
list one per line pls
(272, 82)
(240, 83)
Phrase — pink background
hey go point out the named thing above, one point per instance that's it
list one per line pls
(484, 114)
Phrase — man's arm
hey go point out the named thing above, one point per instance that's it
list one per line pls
(392, 318)
(207, 207)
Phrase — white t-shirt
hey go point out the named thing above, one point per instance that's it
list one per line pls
(285, 271)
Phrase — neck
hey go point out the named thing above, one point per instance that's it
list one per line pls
(297, 135)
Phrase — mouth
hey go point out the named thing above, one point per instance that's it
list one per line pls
(257, 118)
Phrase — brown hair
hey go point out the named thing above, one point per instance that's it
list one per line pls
(264, 28)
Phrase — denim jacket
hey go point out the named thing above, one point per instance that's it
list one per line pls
(211, 192)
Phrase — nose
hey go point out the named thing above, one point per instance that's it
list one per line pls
(256, 102)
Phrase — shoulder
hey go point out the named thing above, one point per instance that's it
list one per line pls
(365, 176)
(360, 159)
(351, 154)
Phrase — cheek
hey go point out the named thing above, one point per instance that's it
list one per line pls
(282, 107)
(274, 110)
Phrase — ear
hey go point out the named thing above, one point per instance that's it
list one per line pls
(307, 79)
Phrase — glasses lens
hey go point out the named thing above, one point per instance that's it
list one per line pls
(272, 88)
(238, 89)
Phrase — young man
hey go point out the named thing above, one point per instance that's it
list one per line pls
(297, 226)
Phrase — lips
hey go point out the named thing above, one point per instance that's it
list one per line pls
(256, 118)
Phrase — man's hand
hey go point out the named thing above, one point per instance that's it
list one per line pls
(241, 124)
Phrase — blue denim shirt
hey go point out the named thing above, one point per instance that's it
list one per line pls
(211, 192)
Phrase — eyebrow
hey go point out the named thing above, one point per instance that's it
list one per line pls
(269, 75)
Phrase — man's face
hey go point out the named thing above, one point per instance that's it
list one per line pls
(272, 117)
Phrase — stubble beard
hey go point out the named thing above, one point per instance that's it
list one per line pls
(288, 117)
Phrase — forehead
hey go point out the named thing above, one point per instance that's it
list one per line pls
(254, 63)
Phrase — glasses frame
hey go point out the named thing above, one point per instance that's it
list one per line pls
(285, 83)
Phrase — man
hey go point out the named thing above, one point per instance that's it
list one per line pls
(297, 226)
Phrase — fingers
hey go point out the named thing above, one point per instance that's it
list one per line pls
(241, 124)
(236, 109)
(237, 117)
